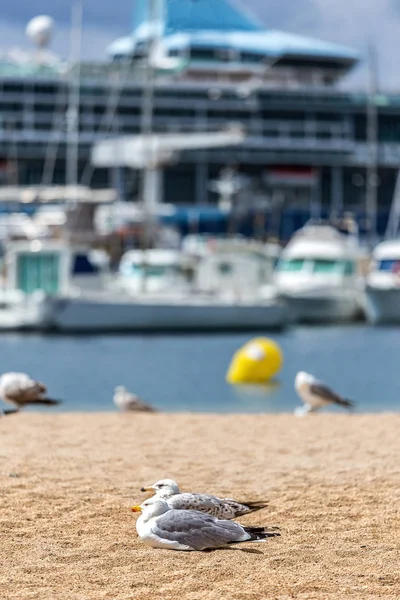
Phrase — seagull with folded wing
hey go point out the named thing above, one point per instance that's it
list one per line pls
(126, 401)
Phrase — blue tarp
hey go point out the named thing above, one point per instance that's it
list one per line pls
(195, 214)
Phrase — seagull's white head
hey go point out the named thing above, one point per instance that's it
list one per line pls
(152, 507)
(164, 488)
(120, 389)
(302, 378)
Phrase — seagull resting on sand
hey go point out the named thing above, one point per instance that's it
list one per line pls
(159, 526)
(126, 401)
(315, 394)
(20, 390)
(224, 508)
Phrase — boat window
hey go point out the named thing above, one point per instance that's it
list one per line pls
(389, 264)
(83, 265)
(151, 270)
(159, 270)
(326, 266)
(38, 271)
(349, 267)
(295, 264)
(225, 268)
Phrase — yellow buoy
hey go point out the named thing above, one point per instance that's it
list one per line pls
(255, 362)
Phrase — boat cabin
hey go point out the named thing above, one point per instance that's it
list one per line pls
(54, 267)
(151, 271)
(236, 265)
(318, 255)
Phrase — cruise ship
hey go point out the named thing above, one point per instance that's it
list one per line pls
(306, 151)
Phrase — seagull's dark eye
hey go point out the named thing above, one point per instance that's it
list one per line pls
(161, 484)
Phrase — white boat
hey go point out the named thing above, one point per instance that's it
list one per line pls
(54, 267)
(35, 271)
(319, 276)
(71, 290)
(383, 284)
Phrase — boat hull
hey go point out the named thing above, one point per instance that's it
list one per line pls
(383, 305)
(309, 308)
(28, 314)
(89, 315)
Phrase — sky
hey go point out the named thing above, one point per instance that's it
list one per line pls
(355, 23)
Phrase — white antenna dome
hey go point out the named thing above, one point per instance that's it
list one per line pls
(40, 30)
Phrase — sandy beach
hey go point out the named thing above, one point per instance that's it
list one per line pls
(68, 481)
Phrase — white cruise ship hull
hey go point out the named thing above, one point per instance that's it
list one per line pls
(383, 305)
(91, 314)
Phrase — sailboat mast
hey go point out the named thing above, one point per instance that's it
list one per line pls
(146, 124)
(147, 109)
(147, 180)
(72, 149)
(372, 141)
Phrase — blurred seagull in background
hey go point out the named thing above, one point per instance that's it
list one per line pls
(223, 508)
(315, 394)
(126, 401)
(20, 390)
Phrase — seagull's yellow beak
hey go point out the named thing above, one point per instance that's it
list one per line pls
(136, 509)
(148, 488)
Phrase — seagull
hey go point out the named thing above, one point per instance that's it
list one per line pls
(126, 401)
(224, 508)
(20, 390)
(159, 526)
(315, 394)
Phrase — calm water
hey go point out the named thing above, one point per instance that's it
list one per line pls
(187, 373)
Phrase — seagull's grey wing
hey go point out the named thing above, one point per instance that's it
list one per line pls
(223, 508)
(326, 393)
(143, 406)
(23, 391)
(20, 389)
(202, 502)
(133, 402)
(197, 530)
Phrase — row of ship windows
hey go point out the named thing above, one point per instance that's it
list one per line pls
(193, 94)
(308, 119)
(134, 130)
(178, 111)
(10, 115)
(387, 132)
(388, 129)
(324, 130)
(252, 110)
(176, 107)
(101, 109)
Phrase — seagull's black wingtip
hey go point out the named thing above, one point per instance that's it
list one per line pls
(9, 411)
(260, 533)
(48, 402)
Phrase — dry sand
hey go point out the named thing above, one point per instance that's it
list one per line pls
(68, 481)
